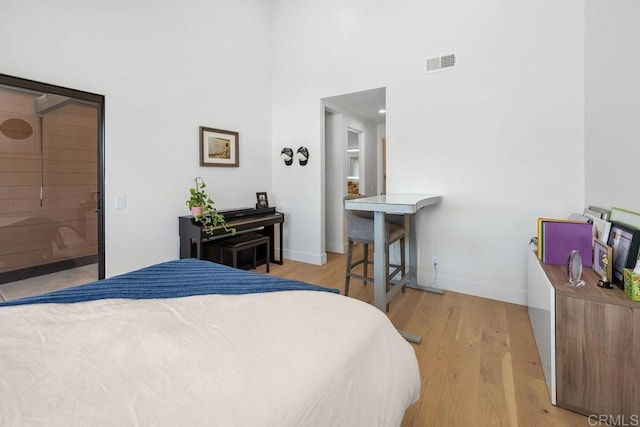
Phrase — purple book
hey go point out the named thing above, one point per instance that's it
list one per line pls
(560, 238)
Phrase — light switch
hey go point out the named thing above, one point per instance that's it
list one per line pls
(121, 201)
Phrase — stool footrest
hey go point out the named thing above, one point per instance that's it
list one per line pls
(360, 277)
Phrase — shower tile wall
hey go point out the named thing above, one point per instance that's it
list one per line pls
(65, 226)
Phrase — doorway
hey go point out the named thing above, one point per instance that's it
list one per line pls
(353, 130)
(52, 187)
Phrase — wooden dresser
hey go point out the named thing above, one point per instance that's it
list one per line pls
(588, 340)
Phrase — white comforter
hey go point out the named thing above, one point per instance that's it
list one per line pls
(296, 358)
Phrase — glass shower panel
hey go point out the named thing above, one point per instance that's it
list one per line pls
(48, 183)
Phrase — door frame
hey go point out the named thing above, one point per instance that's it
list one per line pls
(361, 158)
(99, 100)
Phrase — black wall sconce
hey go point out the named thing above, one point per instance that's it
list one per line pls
(303, 155)
(287, 155)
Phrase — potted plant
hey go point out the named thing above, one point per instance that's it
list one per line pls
(202, 209)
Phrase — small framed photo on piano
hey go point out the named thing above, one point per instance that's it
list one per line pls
(261, 200)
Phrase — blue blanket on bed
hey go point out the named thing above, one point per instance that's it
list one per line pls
(172, 279)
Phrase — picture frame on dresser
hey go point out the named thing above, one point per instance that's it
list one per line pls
(625, 242)
(602, 227)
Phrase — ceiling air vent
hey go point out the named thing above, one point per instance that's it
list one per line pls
(440, 62)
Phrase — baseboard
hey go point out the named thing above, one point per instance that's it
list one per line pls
(479, 289)
(339, 248)
(306, 257)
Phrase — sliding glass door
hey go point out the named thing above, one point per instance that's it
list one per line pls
(51, 179)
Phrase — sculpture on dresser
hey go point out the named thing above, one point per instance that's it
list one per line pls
(574, 270)
(602, 258)
(604, 281)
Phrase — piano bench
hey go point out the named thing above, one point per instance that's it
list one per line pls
(242, 242)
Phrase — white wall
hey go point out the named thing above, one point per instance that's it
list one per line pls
(165, 68)
(500, 137)
(612, 107)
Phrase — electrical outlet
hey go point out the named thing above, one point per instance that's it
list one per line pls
(434, 260)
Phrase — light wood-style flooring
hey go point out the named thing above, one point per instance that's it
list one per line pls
(478, 358)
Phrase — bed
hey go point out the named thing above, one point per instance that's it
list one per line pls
(193, 343)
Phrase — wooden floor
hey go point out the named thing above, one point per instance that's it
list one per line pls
(478, 358)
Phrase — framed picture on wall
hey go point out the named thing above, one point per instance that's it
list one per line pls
(219, 147)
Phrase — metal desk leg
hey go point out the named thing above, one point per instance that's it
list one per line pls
(416, 339)
(379, 263)
(411, 251)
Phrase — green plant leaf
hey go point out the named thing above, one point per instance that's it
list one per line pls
(210, 217)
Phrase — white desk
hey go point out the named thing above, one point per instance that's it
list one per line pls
(399, 204)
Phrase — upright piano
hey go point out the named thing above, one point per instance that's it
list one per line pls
(195, 243)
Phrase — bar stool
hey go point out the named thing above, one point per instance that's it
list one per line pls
(360, 229)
